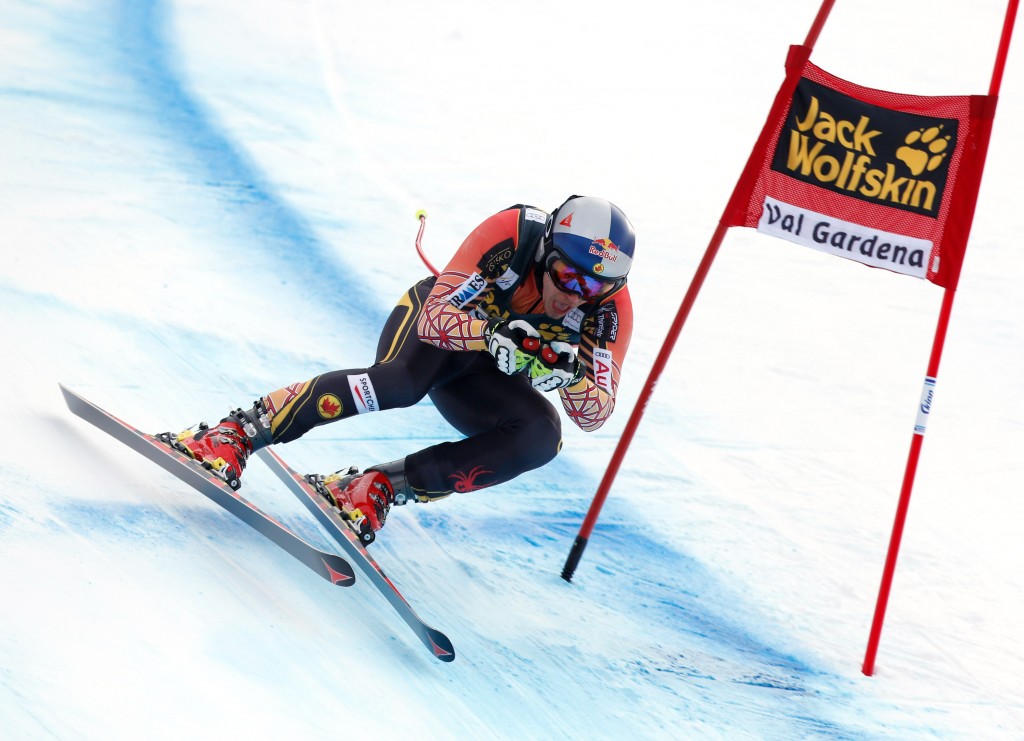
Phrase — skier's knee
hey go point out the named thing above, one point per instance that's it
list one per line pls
(399, 386)
(539, 439)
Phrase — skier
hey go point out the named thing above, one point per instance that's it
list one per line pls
(531, 302)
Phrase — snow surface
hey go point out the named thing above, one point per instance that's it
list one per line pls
(203, 200)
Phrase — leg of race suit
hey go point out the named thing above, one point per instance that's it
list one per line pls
(511, 429)
(404, 371)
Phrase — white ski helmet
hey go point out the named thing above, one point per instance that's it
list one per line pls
(593, 235)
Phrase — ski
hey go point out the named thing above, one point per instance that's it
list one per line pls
(436, 642)
(331, 567)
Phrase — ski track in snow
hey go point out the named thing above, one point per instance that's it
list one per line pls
(187, 604)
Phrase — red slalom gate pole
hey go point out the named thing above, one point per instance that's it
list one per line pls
(903, 506)
(638, 411)
(908, 484)
(742, 186)
(819, 23)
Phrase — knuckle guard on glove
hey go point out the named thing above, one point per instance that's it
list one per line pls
(555, 366)
(514, 344)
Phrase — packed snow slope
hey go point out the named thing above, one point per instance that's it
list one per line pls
(205, 200)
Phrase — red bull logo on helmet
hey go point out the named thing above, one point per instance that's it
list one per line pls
(606, 249)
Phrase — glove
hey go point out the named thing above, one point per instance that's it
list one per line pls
(513, 344)
(555, 367)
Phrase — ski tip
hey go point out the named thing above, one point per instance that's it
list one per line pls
(338, 570)
(439, 644)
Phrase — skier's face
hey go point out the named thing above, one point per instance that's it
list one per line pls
(558, 303)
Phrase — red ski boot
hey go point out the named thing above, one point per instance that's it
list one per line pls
(364, 499)
(224, 448)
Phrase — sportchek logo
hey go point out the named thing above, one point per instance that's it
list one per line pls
(363, 393)
(469, 290)
(603, 369)
(865, 151)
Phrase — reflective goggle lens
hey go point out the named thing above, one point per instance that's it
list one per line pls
(571, 280)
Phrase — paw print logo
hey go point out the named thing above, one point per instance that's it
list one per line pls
(924, 150)
(549, 332)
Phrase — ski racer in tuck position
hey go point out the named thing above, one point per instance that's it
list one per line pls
(531, 302)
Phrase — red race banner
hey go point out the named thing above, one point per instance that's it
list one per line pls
(886, 179)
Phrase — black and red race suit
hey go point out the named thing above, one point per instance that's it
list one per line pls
(433, 345)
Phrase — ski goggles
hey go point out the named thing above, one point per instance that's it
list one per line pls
(570, 279)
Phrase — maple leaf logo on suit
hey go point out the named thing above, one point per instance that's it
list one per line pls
(329, 406)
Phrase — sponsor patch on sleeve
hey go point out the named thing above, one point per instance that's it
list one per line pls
(507, 279)
(472, 287)
(603, 369)
(496, 260)
(363, 394)
(606, 323)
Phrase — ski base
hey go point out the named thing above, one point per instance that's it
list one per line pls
(329, 566)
